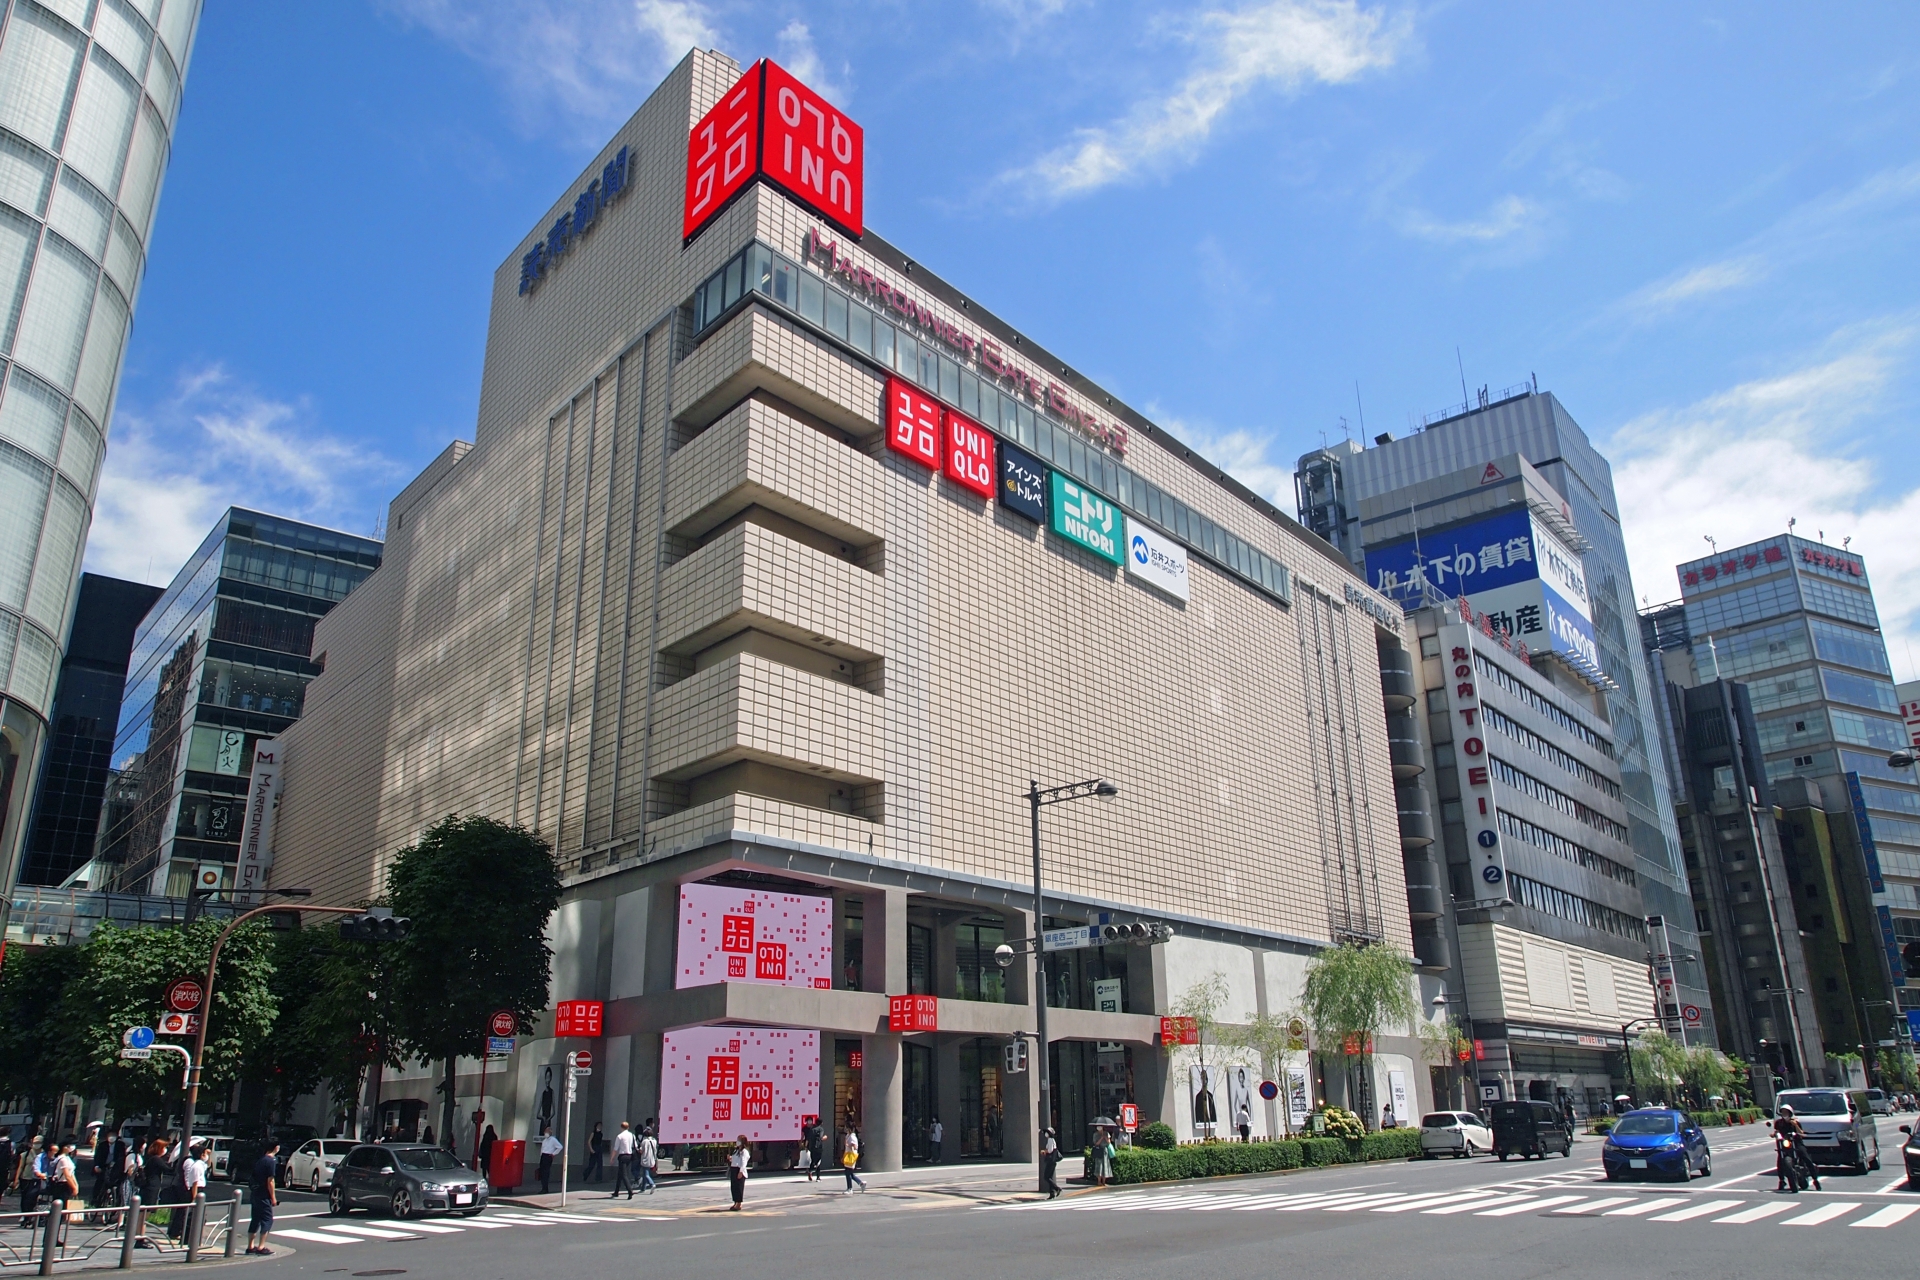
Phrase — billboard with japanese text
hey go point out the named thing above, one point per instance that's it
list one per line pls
(729, 934)
(717, 1083)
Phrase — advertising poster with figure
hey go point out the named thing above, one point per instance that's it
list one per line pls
(1299, 1101)
(1240, 1082)
(1203, 1092)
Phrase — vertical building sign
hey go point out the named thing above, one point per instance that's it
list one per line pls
(1080, 515)
(913, 423)
(769, 125)
(256, 832)
(969, 459)
(1023, 483)
(1470, 751)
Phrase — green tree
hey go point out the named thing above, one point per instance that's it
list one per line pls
(335, 1016)
(479, 893)
(32, 1034)
(1202, 1002)
(1705, 1075)
(1897, 1071)
(1659, 1065)
(1351, 994)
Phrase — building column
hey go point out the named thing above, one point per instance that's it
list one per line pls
(882, 1079)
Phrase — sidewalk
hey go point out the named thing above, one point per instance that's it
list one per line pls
(996, 1183)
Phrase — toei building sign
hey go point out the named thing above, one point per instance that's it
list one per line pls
(1476, 783)
(772, 128)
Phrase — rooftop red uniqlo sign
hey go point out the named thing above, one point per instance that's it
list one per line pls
(577, 1018)
(769, 125)
(913, 423)
(913, 1013)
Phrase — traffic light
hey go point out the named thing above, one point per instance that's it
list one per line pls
(1136, 932)
(378, 925)
(1014, 1053)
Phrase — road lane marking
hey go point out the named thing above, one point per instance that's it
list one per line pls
(1594, 1206)
(1468, 1206)
(1758, 1212)
(1428, 1201)
(1888, 1216)
(1646, 1206)
(1368, 1202)
(361, 1229)
(1898, 1184)
(1527, 1206)
(1825, 1213)
(316, 1237)
(1699, 1210)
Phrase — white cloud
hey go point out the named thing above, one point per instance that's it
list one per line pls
(1286, 44)
(1508, 217)
(592, 61)
(1241, 454)
(798, 55)
(1700, 282)
(1736, 465)
(214, 444)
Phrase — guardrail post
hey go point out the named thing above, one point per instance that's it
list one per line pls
(47, 1239)
(233, 1218)
(129, 1233)
(196, 1218)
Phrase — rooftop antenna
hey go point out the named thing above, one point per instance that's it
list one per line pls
(1362, 408)
(1846, 542)
(1462, 366)
(1823, 536)
(1711, 543)
(1791, 521)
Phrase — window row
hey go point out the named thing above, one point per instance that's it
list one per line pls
(759, 271)
(1503, 723)
(305, 537)
(1561, 847)
(1548, 900)
(28, 662)
(1542, 706)
(1898, 830)
(1736, 656)
(1838, 600)
(299, 572)
(1531, 787)
(43, 528)
(1850, 647)
(1892, 799)
(1861, 691)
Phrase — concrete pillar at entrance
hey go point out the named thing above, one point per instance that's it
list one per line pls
(884, 961)
(882, 1082)
(1019, 1096)
(1153, 1085)
(643, 1079)
(946, 1094)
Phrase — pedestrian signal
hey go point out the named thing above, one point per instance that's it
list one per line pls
(1015, 1054)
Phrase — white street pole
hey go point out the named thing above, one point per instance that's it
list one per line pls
(566, 1128)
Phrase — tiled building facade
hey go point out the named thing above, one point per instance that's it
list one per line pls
(680, 609)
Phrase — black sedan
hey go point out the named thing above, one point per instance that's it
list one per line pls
(405, 1179)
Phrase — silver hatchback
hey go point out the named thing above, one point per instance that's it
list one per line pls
(405, 1179)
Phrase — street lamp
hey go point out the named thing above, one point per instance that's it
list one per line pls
(1463, 1022)
(1904, 759)
(1626, 1044)
(1036, 797)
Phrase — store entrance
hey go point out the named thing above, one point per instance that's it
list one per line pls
(916, 1101)
(982, 1113)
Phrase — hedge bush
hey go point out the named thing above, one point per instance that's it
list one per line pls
(1216, 1159)
(1157, 1136)
(1741, 1115)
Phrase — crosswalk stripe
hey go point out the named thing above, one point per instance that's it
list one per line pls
(434, 1228)
(1898, 1184)
(1527, 1206)
(1825, 1213)
(1224, 1202)
(488, 1224)
(1427, 1201)
(1595, 1206)
(1645, 1206)
(1320, 1202)
(1888, 1216)
(1699, 1210)
(361, 1229)
(1467, 1206)
(563, 1217)
(1367, 1202)
(1756, 1213)
(1268, 1202)
(1130, 1202)
(315, 1237)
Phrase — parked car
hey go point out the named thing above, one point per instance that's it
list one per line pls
(312, 1163)
(1878, 1102)
(220, 1156)
(1910, 1155)
(1530, 1129)
(1839, 1124)
(1455, 1133)
(405, 1178)
(1656, 1142)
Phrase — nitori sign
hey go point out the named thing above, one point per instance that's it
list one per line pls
(769, 125)
(1083, 516)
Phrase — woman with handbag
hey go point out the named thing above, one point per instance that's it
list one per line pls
(737, 1162)
(850, 1160)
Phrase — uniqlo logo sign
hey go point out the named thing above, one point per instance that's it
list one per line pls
(756, 1100)
(577, 1018)
(723, 1108)
(913, 1013)
(770, 962)
(758, 1081)
(969, 454)
(769, 125)
(736, 933)
(730, 934)
(723, 1073)
(913, 423)
(723, 152)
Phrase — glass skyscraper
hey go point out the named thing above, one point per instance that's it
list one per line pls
(1535, 425)
(89, 94)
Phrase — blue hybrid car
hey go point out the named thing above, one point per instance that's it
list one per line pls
(1656, 1142)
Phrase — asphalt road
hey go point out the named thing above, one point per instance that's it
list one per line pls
(1556, 1217)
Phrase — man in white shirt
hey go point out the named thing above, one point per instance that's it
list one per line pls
(936, 1141)
(550, 1147)
(623, 1148)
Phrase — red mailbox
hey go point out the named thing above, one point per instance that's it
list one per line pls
(508, 1164)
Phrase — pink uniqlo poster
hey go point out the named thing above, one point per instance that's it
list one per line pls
(749, 935)
(717, 1083)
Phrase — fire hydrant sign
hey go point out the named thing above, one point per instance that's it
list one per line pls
(750, 935)
(184, 995)
(719, 1082)
(913, 1013)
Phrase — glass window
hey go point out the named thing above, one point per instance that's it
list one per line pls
(929, 374)
(23, 501)
(145, 162)
(163, 85)
(17, 238)
(1076, 459)
(26, 174)
(1860, 691)
(1872, 766)
(906, 354)
(176, 26)
(60, 543)
(883, 342)
(970, 396)
(1869, 731)
(989, 405)
(32, 414)
(53, 324)
(80, 453)
(80, 213)
(716, 301)
(733, 276)
(813, 298)
(34, 662)
(124, 35)
(106, 333)
(860, 328)
(1838, 600)
(1850, 647)
(786, 277)
(39, 63)
(1891, 798)
(103, 116)
(836, 319)
(759, 267)
(949, 381)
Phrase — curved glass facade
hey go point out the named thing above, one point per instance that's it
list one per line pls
(89, 93)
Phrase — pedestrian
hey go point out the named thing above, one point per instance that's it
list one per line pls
(1049, 1162)
(192, 1180)
(1244, 1123)
(816, 1137)
(937, 1141)
(550, 1147)
(1386, 1116)
(265, 1195)
(623, 1148)
(117, 1186)
(1101, 1164)
(596, 1147)
(153, 1171)
(63, 1186)
(649, 1158)
(487, 1140)
(102, 1143)
(426, 1135)
(30, 1175)
(737, 1163)
(9, 1160)
(850, 1160)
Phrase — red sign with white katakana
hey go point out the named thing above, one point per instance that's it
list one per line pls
(913, 423)
(969, 457)
(769, 125)
(577, 1018)
(723, 152)
(912, 1013)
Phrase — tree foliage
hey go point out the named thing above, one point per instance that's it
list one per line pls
(1353, 992)
(334, 1019)
(32, 1041)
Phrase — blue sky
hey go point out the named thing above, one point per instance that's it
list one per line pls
(1696, 223)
